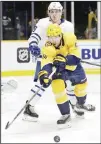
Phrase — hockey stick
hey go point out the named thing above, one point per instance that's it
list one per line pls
(39, 88)
(38, 68)
(90, 63)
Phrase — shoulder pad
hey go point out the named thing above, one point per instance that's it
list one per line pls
(42, 22)
(70, 39)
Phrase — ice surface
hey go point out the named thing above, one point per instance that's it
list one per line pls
(85, 130)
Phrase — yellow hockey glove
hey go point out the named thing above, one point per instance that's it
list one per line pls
(44, 80)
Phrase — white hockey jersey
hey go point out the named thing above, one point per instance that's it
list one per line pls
(38, 35)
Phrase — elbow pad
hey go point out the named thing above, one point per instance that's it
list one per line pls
(72, 60)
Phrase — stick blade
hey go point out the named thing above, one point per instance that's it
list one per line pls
(7, 125)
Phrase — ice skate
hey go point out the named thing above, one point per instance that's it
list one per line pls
(30, 114)
(86, 107)
(64, 121)
(77, 111)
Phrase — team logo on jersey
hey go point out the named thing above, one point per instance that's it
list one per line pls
(23, 55)
(48, 43)
(44, 56)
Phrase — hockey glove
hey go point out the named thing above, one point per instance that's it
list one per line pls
(59, 62)
(43, 78)
(35, 50)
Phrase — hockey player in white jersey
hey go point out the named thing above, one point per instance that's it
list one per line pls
(38, 38)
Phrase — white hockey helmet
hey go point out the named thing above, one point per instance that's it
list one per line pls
(55, 5)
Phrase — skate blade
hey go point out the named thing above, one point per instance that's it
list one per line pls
(64, 126)
(79, 117)
(86, 110)
(30, 119)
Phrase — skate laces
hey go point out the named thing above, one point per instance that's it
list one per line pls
(64, 116)
(32, 109)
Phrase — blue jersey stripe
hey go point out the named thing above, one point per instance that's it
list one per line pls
(35, 38)
(39, 87)
(33, 42)
(36, 35)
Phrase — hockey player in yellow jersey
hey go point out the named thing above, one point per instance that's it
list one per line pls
(60, 51)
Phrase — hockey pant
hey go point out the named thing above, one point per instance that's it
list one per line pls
(79, 81)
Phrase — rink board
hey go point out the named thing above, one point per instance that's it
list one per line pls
(17, 61)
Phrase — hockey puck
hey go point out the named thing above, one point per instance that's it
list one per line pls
(56, 138)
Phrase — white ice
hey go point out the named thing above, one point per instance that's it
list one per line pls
(85, 130)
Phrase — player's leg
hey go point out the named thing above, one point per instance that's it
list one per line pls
(80, 81)
(70, 93)
(73, 100)
(62, 101)
(30, 113)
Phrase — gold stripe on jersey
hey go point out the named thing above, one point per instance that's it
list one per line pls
(58, 88)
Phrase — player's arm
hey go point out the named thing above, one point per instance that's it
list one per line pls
(90, 16)
(36, 34)
(73, 58)
(35, 38)
(69, 27)
(46, 65)
(48, 53)
(95, 17)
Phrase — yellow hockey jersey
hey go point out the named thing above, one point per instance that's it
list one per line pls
(67, 47)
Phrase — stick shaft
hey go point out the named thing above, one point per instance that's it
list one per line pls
(40, 87)
(90, 63)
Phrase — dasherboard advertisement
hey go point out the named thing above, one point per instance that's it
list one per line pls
(15, 56)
